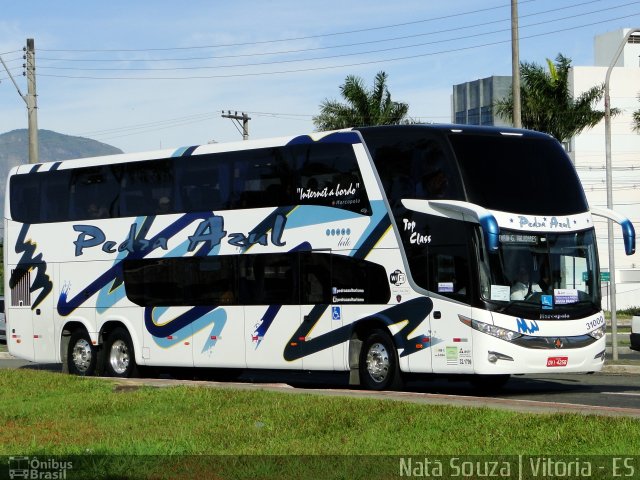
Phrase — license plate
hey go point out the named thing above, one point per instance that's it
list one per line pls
(557, 361)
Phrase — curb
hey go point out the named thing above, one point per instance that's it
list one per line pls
(618, 369)
(6, 356)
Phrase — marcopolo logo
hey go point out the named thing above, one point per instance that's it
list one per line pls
(40, 469)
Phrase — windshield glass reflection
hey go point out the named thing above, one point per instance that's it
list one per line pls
(542, 271)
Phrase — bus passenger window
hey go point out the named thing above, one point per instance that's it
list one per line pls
(144, 185)
(93, 193)
(328, 175)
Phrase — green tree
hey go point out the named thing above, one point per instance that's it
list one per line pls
(636, 119)
(363, 107)
(547, 103)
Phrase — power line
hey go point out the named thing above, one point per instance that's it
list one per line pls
(329, 67)
(290, 39)
(303, 50)
(315, 59)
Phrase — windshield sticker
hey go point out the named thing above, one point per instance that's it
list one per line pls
(500, 293)
(564, 296)
(546, 301)
(445, 287)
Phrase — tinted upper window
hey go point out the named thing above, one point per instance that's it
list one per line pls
(518, 174)
(311, 174)
(413, 162)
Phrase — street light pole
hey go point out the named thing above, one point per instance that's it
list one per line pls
(607, 143)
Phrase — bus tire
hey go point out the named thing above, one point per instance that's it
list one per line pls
(379, 369)
(82, 355)
(119, 356)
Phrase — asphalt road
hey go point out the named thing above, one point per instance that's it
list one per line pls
(600, 393)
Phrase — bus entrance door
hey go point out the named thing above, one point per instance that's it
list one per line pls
(451, 350)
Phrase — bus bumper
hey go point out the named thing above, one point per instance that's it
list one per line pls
(492, 356)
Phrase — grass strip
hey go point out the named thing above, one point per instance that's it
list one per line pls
(49, 413)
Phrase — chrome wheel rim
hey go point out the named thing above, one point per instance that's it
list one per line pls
(378, 362)
(119, 357)
(82, 355)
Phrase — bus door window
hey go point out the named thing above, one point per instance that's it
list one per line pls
(450, 276)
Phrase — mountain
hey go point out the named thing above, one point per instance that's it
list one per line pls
(14, 150)
(14, 147)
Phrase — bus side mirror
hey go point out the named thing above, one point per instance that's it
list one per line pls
(628, 232)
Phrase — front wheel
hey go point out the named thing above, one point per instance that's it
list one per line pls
(119, 355)
(81, 354)
(379, 368)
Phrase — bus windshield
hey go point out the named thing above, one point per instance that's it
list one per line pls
(553, 274)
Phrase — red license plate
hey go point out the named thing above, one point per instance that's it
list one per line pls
(557, 361)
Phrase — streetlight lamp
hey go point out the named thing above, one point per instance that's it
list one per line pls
(607, 142)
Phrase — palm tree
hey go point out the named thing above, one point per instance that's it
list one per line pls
(364, 107)
(547, 103)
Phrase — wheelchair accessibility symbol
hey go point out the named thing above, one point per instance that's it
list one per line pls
(336, 313)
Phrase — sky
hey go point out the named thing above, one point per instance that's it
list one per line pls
(142, 75)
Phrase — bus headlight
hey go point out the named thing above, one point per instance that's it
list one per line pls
(498, 332)
(598, 333)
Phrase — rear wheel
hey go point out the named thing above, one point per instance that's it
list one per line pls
(379, 368)
(119, 355)
(81, 354)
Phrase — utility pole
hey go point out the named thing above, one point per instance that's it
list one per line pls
(515, 66)
(30, 98)
(32, 104)
(245, 121)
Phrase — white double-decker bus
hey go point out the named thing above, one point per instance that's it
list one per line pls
(381, 251)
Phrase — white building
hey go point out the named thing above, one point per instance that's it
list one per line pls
(588, 153)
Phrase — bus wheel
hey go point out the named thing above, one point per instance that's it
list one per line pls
(379, 363)
(81, 354)
(119, 355)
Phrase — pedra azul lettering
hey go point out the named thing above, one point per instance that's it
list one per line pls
(209, 232)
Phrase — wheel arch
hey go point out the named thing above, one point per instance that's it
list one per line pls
(361, 329)
(65, 335)
(121, 322)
